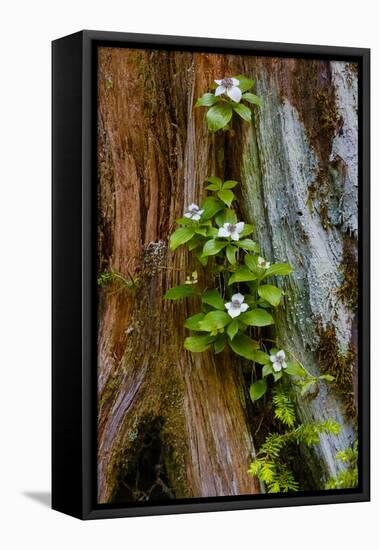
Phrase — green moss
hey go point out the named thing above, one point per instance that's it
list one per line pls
(327, 111)
(349, 291)
(338, 365)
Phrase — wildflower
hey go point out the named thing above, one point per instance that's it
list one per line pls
(278, 361)
(194, 212)
(229, 86)
(191, 280)
(264, 264)
(231, 230)
(237, 305)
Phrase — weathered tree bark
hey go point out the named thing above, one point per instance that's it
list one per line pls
(154, 153)
(299, 170)
(181, 420)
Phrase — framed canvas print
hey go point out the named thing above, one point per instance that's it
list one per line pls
(210, 274)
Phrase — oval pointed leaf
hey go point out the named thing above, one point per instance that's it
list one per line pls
(295, 369)
(181, 291)
(252, 99)
(214, 320)
(248, 244)
(226, 216)
(232, 329)
(272, 294)
(198, 344)
(211, 206)
(181, 236)
(231, 254)
(245, 83)
(258, 389)
(229, 184)
(219, 116)
(257, 318)
(207, 100)
(278, 269)
(193, 321)
(213, 247)
(213, 298)
(244, 346)
(241, 275)
(226, 196)
(261, 357)
(243, 111)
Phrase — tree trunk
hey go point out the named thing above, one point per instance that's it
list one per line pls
(175, 419)
(176, 424)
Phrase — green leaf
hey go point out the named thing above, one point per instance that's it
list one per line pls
(202, 259)
(219, 116)
(267, 370)
(198, 343)
(248, 244)
(226, 196)
(253, 99)
(214, 320)
(244, 82)
(243, 111)
(271, 294)
(231, 254)
(241, 275)
(213, 247)
(181, 291)
(215, 181)
(193, 243)
(307, 386)
(226, 216)
(229, 184)
(295, 369)
(257, 318)
(258, 389)
(244, 346)
(278, 269)
(181, 236)
(207, 100)
(219, 343)
(261, 357)
(232, 329)
(213, 298)
(327, 377)
(247, 229)
(252, 263)
(211, 206)
(192, 322)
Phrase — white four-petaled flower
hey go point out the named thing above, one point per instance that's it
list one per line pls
(229, 86)
(237, 305)
(194, 212)
(231, 230)
(264, 264)
(278, 361)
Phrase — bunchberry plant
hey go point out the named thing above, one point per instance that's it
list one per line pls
(233, 312)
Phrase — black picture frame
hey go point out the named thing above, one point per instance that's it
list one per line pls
(73, 271)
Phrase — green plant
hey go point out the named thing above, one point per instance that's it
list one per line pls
(271, 464)
(242, 299)
(231, 96)
(346, 479)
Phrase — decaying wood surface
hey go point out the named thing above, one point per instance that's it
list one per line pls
(298, 170)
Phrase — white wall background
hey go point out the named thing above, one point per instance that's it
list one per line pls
(27, 29)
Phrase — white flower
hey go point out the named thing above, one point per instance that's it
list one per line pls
(194, 212)
(229, 86)
(237, 305)
(231, 230)
(263, 263)
(278, 361)
(191, 280)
